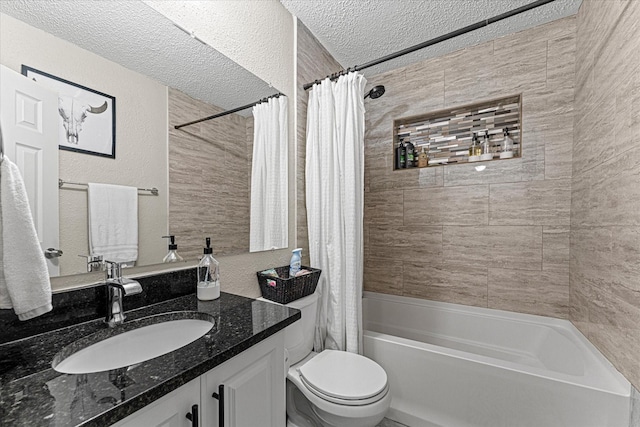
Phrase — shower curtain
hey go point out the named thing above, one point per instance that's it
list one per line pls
(269, 175)
(334, 197)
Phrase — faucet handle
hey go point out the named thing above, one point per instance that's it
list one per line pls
(94, 262)
(114, 269)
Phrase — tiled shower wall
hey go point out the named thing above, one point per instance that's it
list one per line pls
(605, 196)
(498, 238)
(209, 170)
(314, 62)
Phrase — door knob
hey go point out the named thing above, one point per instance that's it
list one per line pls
(52, 253)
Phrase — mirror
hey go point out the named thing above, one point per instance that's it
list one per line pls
(160, 76)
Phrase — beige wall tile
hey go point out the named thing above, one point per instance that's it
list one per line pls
(467, 205)
(561, 59)
(545, 293)
(609, 193)
(555, 247)
(530, 203)
(509, 247)
(446, 282)
(383, 275)
(383, 208)
(416, 242)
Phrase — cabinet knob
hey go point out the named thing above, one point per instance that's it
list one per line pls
(193, 416)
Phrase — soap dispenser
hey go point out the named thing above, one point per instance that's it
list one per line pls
(172, 255)
(208, 275)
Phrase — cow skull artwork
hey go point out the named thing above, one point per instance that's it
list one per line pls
(74, 112)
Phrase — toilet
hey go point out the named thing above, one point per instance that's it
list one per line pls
(330, 388)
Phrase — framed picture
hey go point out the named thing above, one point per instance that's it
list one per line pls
(87, 117)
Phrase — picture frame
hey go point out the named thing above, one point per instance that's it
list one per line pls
(87, 116)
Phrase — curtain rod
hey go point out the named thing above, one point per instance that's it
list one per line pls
(224, 113)
(437, 40)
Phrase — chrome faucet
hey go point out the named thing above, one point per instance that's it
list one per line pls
(118, 287)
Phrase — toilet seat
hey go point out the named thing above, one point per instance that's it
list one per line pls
(344, 378)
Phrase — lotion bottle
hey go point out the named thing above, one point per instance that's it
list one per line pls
(208, 275)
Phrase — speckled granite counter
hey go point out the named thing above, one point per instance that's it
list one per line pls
(33, 394)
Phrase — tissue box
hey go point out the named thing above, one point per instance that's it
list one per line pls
(284, 289)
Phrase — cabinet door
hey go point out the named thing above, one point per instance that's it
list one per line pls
(168, 411)
(252, 385)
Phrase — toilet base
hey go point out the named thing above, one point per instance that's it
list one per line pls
(302, 413)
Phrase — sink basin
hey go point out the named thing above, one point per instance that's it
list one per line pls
(133, 342)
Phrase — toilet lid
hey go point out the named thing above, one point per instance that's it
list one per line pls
(343, 375)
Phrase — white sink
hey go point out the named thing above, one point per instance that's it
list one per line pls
(131, 347)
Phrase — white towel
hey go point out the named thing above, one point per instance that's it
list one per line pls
(24, 278)
(113, 222)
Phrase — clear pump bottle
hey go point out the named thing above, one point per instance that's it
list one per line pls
(172, 255)
(208, 275)
(507, 146)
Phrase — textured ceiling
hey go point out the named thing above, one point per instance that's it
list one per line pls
(139, 38)
(359, 31)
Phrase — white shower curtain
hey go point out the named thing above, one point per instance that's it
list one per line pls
(334, 196)
(269, 175)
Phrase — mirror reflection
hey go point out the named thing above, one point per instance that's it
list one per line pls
(159, 76)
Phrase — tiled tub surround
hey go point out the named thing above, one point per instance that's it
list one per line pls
(605, 190)
(498, 238)
(447, 135)
(33, 394)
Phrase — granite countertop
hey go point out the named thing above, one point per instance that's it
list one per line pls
(33, 394)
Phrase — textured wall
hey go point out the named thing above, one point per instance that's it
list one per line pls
(605, 194)
(141, 138)
(314, 62)
(208, 178)
(497, 238)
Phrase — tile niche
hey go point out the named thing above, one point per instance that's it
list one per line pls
(446, 135)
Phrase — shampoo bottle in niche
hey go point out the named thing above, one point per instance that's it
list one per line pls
(172, 255)
(401, 156)
(410, 154)
(208, 275)
(296, 262)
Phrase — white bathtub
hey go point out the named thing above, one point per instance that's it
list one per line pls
(451, 365)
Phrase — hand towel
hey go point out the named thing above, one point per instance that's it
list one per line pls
(24, 278)
(113, 222)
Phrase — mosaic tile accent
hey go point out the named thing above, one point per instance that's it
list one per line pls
(447, 134)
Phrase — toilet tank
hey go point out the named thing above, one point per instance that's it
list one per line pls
(299, 335)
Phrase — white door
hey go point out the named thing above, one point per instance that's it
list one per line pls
(29, 117)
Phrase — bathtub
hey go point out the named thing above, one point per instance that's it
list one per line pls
(451, 365)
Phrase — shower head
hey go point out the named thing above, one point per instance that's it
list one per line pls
(376, 92)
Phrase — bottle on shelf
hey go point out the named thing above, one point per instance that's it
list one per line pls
(474, 149)
(410, 154)
(401, 155)
(423, 158)
(486, 153)
(506, 146)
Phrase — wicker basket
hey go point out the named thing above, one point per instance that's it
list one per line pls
(284, 291)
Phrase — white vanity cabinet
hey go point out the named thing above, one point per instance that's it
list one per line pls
(252, 386)
(168, 411)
